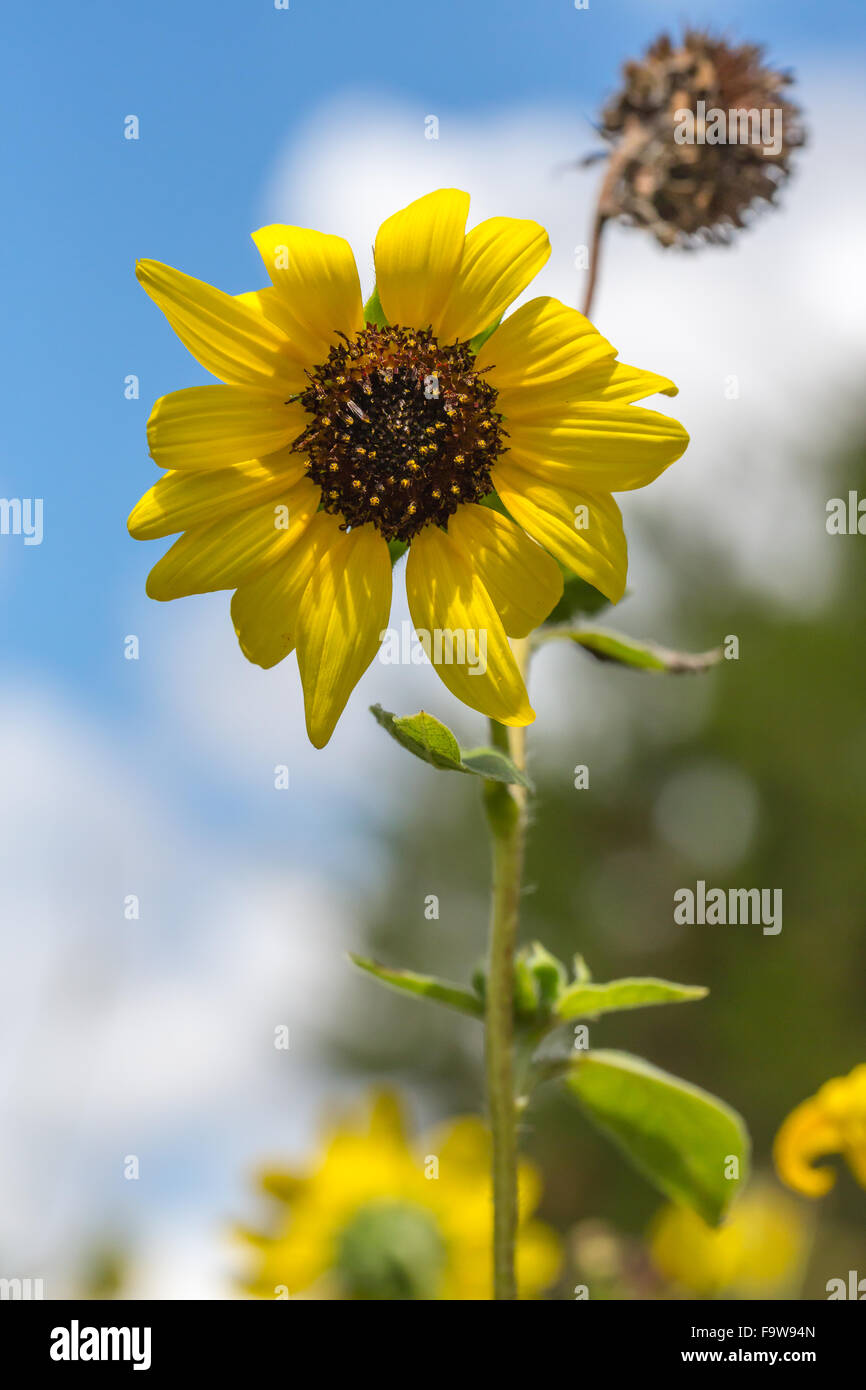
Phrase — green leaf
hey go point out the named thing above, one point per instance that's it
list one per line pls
(373, 311)
(681, 1138)
(494, 764)
(641, 656)
(434, 743)
(425, 986)
(585, 1000)
(422, 735)
(577, 597)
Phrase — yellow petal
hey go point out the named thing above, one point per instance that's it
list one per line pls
(343, 611)
(227, 337)
(606, 448)
(521, 578)
(542, 342)
(582, 529)
(537, 1258)
(455, 618)
(228, 552)
(217, 426)
(265, 610)
(317, 280)
(600, 382)
(624, 384)
(500, 257)
(269, 303)
(808, 1133)
(418, 252)
(463, 1146)
(388, 1118)
(182, 500)
(295, 1263)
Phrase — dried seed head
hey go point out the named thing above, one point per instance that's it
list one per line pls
(687, 191)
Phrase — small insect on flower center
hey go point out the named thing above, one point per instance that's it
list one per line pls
(404, 430)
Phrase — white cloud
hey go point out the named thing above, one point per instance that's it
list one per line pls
(152, 1037)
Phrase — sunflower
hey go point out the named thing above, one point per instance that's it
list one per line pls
(833, 1121)
(343, 433)
(380, 1218)
(757, 1253)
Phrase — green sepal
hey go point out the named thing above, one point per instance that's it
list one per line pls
(373, 311)
(397, 549)
(577, 597)
(423, 986)
(688, 1144)
(477, 343)
(434, 743)
(494, 503)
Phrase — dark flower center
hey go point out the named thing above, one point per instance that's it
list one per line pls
(404, 430)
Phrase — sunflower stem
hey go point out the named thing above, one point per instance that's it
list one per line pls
(507, 816)
(598, 226)
(606, 207)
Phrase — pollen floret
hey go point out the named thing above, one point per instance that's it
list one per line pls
(404, 430)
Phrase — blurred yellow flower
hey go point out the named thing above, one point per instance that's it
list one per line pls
(756, 1253)
(341, 427)
(831, 1122)
(381, 1218)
